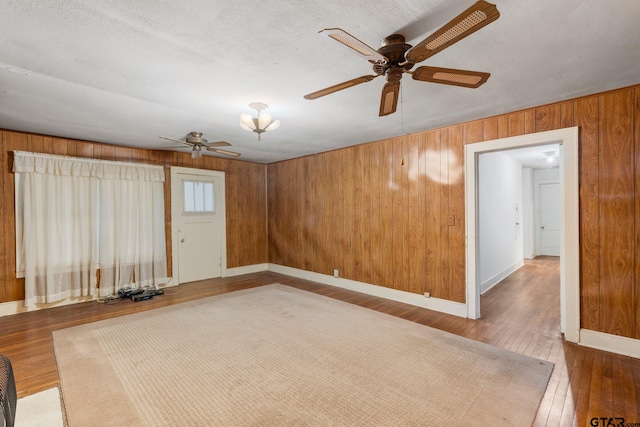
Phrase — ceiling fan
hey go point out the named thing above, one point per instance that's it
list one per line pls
(195, 140)
(395, 57)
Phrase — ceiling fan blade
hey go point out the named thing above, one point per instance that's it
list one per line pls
(174, 140)
(354, 45)
(468, 22)
(389, 99)
(339, 86)
(451, 76)
(225, 152)
(218, 144)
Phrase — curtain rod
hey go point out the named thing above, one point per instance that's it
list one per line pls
(85, 159)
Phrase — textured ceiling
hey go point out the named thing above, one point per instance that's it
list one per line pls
(128, 72)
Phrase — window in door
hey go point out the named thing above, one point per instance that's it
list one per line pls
(198, 198)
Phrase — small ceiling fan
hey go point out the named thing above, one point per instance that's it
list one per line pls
(195, 140)
(395, 57)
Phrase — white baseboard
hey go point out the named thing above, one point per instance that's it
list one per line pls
(247, 269)
(612, 343)
(436, 304)
(492, 281)
(15, 307)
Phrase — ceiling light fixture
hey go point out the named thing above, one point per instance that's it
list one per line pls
(196, 153)
(259, 124)
(550, 156)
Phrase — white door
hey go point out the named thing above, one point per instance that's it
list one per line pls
(549, 219)
(198, 221)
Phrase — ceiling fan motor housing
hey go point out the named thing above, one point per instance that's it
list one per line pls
(196, 138)
(393, 48)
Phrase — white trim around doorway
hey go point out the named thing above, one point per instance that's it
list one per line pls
(569, 244)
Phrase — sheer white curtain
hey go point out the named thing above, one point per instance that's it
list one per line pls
(132, 238)
(57, 201)
(73, 215)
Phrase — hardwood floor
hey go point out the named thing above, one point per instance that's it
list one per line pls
(520, 314)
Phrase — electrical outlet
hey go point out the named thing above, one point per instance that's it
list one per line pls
(427, 294)
(336, 273)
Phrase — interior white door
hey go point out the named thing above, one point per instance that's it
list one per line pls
(199, 229)
(549, 219)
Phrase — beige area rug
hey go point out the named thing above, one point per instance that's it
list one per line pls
(275, 355)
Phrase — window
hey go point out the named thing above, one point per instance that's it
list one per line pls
(198, 197)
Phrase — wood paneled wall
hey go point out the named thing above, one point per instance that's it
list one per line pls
(391, 212)
(245, 197)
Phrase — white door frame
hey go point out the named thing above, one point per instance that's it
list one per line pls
(569, 240)
(176, 209)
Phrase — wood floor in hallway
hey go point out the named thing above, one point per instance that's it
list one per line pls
(520, 314)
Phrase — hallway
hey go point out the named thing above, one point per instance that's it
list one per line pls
(528, 299)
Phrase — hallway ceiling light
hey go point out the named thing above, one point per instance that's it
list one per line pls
(259, 124)
(550, 156)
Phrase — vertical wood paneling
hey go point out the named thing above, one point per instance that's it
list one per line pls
(503, 126)
(262, 250)
(586, 112)
(402, 215)
(547, 118)
(347, 192)
(375, 225)
(529, 121)
(325, 204)
(474, 132)
(386, 213)
(637, 213)
(444, 289)
(106, 152)
(289, 194)
(232, 190)
(300, 188)
(359, 212)
(421, 217)
(288, 188)
(363, 205)
(84, 149)
(309, 222)
(456, 212)
(35, 143)
(14, 288)
(515, 123)
(395, 216)
(616, 186)
(490, 129)
(4, 242)
(274, 191)
(414, 227)
(433, 240)
(326, 195)
(246, 196)
(48, 144)
(566, 115)
(59, 146)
